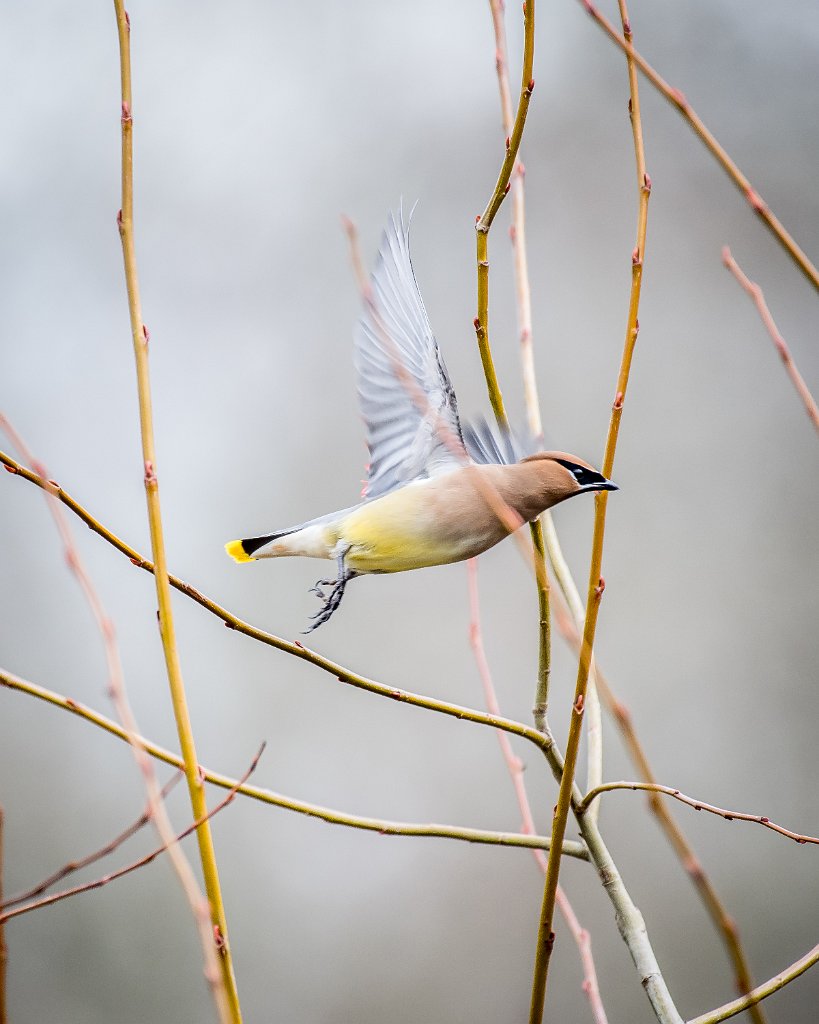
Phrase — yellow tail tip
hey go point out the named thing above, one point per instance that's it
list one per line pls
(237, 552)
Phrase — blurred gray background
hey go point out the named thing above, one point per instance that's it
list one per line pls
(257, 125)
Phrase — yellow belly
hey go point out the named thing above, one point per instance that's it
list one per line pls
(409, 529)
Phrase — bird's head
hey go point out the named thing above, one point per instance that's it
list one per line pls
(562, 476)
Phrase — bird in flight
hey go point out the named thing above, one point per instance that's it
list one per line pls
(435, 493)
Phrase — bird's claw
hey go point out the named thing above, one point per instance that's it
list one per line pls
(331, 600)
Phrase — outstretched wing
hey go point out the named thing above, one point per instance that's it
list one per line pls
(405, 393)
(489, 445)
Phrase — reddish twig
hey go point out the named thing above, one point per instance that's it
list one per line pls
(517, 231)
(677, 98)
(119, 697)
(779, 342)
(91, 858)
(698, 805)
(98, 883)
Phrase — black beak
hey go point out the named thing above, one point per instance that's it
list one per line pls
(600, 485)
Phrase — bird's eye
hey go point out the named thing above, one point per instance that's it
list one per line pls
(583, 476)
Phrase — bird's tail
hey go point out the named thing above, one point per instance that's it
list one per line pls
(242, 550)
(309, 542)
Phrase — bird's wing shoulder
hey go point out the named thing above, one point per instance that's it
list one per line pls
(406, 397)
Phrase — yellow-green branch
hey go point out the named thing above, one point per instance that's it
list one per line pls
(761, 992)
(297, 650)
(266, 796)
(545, 941)
(139, 335)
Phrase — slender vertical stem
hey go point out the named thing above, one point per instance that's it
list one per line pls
(139, 334)
(4, 953)
(515, 768)
(482, 228)
(517, 231)
(541, 706)
(629, 919)
(596, 584)
(484, 222)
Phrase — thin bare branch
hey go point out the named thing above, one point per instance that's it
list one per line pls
(544, 534)
(223, 984)
(514, 767)
(4, 953)
(98, 883)
(266, 796)
(91, 858)
(780, 344)
(296, 649)
(724, 923)
(157, 812)
(761, 992)
(698, 805)
(677, 98)
(484, 222)
(517, 231)
(596, 585)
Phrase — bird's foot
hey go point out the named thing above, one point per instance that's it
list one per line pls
(317, 588)
(331, 600)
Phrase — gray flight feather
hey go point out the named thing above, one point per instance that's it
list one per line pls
(488, 445)
(406, 397)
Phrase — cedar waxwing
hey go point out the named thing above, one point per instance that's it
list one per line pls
(434, 493)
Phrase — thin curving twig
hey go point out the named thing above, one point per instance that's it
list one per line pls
(677, 98)
(266, 796)
(698, 805)
(761, 992)
(91, 858)
(98, 883)
(780, 344)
